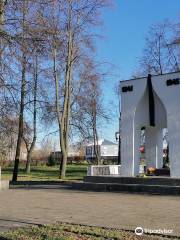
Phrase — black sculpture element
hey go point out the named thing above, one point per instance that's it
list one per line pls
(151, 102)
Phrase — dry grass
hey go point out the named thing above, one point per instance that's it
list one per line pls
(65, 231)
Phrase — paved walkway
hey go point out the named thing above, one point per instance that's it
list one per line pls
(39, 206)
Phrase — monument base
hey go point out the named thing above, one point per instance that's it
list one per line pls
(150, 180)
(147, 185)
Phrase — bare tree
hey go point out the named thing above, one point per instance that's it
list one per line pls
(160, 55)
(24, 40)
(23, 49)
(65, 28)
(78, 16)
(91, 111)
(30, 144)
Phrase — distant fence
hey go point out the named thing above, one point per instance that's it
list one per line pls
(72, 159)
(104, 160)
(7, 163)
(45, 161)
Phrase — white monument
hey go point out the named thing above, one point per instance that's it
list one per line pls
(153, 103)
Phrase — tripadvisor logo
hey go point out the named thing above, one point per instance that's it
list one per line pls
(139, 231)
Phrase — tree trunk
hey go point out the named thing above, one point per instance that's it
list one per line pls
(65, 123)
(28, 163)
(64, 117)
(64, 155)
(95, 134)
(63, 141)
(98, 157)
(59, 117)
(22, 100)
(67, 98)
(96, 147)
(29, 154)
(21, 120)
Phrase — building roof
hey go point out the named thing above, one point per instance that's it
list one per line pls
(107, 142)
(102, 142)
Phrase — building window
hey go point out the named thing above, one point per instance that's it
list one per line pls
(88, 150)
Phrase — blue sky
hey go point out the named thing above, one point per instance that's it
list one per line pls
(125, 28)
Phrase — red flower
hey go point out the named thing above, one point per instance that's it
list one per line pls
(142, 149)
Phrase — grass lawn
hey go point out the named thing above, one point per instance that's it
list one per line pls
(64, 231)
(39, 173)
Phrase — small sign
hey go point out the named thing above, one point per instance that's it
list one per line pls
(174, 81)
(127, 88)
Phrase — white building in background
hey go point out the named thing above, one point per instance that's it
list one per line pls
(153, 103)
(108, 149)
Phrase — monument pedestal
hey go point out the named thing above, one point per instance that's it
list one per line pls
(148, 185)
(103, 170)
(4, 184)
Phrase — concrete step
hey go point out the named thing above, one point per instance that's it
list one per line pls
(128, 188)
(134, 180)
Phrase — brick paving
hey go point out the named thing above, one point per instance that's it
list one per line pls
(42, 205)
